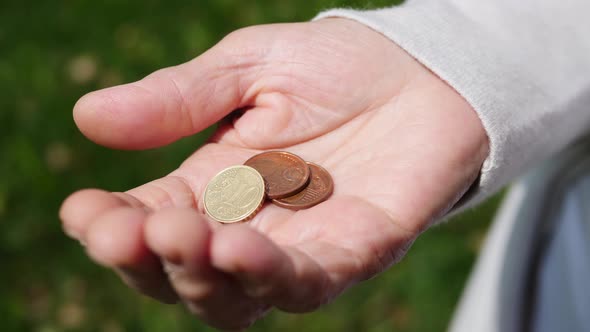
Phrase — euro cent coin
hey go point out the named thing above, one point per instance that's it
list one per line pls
(284, 173)
(234, 194)
(320, 187)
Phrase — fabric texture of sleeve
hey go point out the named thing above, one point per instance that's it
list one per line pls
(524, 67)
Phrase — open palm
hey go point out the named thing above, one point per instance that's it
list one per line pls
(401, 146)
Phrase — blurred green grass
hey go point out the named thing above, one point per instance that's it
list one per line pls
(51, 53)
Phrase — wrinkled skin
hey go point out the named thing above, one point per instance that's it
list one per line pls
(401, 145)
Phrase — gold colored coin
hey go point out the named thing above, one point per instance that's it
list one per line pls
(234, 194)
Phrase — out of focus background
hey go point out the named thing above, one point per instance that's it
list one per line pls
(53, 52)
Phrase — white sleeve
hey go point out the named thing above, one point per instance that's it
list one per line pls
(524, 66)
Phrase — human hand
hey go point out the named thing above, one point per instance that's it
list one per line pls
(400, 144)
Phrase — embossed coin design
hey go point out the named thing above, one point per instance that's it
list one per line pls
(284, 173)
(320, 187)
(234, 194)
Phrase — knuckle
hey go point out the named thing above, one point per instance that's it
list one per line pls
(186, 286)
(262, 291)
(194, 291)
(242, 35)
(244, 48)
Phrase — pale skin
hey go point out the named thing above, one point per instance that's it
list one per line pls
(401, 145)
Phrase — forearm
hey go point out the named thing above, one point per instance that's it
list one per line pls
(523, 66)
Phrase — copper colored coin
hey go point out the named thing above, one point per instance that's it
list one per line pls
(320, 187)
(284, 173)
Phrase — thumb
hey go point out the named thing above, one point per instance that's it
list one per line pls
(167, 105)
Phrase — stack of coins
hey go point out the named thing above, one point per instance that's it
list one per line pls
(238, 192)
